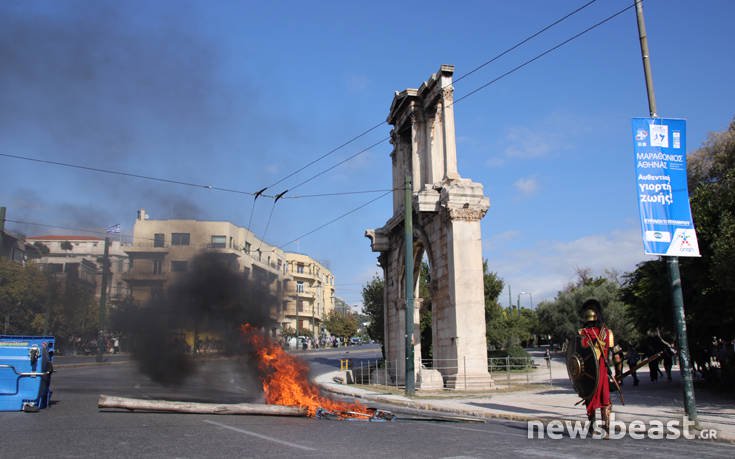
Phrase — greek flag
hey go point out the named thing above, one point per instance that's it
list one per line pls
(114, 228)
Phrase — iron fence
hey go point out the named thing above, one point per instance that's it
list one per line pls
(454, 374)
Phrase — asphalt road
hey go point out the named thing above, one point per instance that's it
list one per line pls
(74, 427)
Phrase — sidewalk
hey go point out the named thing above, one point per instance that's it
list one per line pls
(649, 401)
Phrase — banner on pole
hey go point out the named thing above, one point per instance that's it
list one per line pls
(661, 180)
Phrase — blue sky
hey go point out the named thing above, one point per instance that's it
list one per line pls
(240, 94)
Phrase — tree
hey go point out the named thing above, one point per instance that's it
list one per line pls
(373, 308)
(23, 295)
(560, 318)
(343, 325)
(495, 327)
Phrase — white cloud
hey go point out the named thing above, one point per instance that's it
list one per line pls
(549, 266)
(526, 143)
(544, 138)
(495, 161)
(527, 185)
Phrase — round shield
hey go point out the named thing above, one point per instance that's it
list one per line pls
(582, 368)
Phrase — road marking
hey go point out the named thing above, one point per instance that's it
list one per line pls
(264, 437)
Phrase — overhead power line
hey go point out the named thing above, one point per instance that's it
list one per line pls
(498, 56)
(472, 92)
(334, 150)
(330, 152)
(69, 228)
(174, 181)
(522, 42)
(335, 219)
(549, 50)
(125, 174)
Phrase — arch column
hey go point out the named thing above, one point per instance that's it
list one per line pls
(447, 212)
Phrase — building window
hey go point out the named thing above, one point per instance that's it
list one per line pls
(179, 238)
(219, 242)
(247, 248)
(299, 306)
(299, 287)
(179, 266)
(159, 240)
(157, 267)
(300, 268)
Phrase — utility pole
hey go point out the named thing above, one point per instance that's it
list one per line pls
(672, 262)
(408, 242)
(103, 299)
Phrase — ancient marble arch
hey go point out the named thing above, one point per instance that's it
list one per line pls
(447, 210)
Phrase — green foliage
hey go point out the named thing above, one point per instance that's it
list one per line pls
(42, 248)
(288, 332)
(647, 293)
(37, 303)
(425, 320)
(66, 245)
(495, 327)
(342, 325)
(373, 308)
(560, 318)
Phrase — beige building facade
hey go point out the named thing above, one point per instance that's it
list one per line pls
(82, 257)
(310, 291)
(163, 250)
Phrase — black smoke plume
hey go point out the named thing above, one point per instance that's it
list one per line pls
(212, 299)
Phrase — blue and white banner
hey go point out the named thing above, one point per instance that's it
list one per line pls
(661, 181)
(113, 228)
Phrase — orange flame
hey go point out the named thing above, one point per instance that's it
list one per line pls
(285, 380)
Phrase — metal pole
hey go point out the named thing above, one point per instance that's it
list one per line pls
(103, 300)
(408, 242)
(643, 37)
(672, 263)
(685, 367)
(103, 284)
(510, 298)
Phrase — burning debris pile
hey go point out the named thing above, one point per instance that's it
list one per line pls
(285, 382)
(214, 298)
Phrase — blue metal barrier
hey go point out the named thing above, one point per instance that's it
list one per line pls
(26, 365)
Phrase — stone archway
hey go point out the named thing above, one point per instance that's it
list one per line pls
(447, 210)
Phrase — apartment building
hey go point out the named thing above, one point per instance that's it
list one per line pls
(162, 250)
(81, 258)
(310, 292)
(12, 245)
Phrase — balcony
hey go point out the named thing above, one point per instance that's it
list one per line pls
(137, 276)
(221, 249)
(305, 294)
